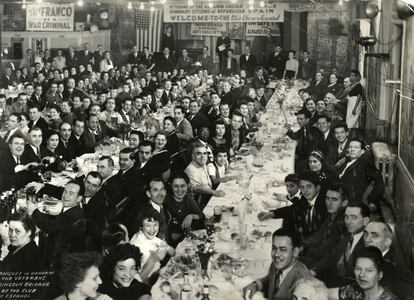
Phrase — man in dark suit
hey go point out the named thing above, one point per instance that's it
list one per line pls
(166, 63)
(36, 120)
(205, 60)
(337, 151)
(65, 232)
(37, 98)
(397, 276)
(13, 127)
(197, 118)
(85, 56)
(125, 111)
(276, 63)
(307, 67)
(360, 175)
(284, 271)
(336, 268)
(34, 151)
(323, 123)
(96, 132)
(71, 58)
(308, 138)
(12, 172)
(319, 87)
(229, 64)
(307, 215)
(7, 78)
(134, 57)
(260, 78)
(222, 45)
(248, 62)
(322, 242)
(67, 146)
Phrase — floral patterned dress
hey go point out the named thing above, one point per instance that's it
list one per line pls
(354, 292)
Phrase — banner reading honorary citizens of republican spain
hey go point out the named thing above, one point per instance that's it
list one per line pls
(50, 17)
(200, 12)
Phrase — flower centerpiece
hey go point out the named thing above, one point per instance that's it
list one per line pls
(205, 246)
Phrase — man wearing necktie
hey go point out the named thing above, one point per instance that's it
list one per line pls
(336, 268)
(284, 271)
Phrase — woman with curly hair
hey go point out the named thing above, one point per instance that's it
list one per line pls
(79, 277)
(119, 269)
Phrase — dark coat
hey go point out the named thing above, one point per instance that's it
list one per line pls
(257, 82)
(248, 65)
(29, 155)
(307, 70)
(65, 233)
(197, 121)
(44, 127)
(277, 61)
(308, 138)
(234, 68)
(27, 259)
(69, 152)
(334, 156)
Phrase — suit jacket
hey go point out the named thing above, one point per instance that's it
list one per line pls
(324, 240)
(294, 216)
(134, 58)
(358, 176)
(334, 156)
(72, 61)
(257, 82)
(318, 89)
(124, 116)
(308, 138)
(24, 260)
(206, 63)
(222, 41)
(65, 233)
(285, 289)
(248, 65)
(69, 152)
(234, 68)
(42, 124)
(18, 132)
(6, 81)
(307, 70)
(29, 154)
(335, 89)
(277, 61)
(36, 100)
(166, 64)
(84, 58)
(327, 142)
(333, 268)
(8, 176)
(197, 121)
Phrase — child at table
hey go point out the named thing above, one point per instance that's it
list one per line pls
(219, 167)
(294, 194)
(153, 248)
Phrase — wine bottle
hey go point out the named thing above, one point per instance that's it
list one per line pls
(205, 295)
(186, 289)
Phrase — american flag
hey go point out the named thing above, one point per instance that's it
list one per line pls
(149, 29)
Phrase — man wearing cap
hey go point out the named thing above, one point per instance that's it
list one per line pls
(308, 138)
(308, 214)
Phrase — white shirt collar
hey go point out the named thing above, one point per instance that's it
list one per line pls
(298, 195)
(326, 134)
(312, 202)
(155, 206)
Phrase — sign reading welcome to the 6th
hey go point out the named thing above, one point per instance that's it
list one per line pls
(50, 17)
(176, 12)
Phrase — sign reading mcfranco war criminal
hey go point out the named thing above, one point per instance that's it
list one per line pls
(50, 17)
(200, 12)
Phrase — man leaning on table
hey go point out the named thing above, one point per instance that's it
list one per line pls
(284, 271)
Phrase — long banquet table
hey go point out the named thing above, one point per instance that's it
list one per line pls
(231, 268)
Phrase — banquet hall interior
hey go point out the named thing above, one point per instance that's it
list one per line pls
(207, 149)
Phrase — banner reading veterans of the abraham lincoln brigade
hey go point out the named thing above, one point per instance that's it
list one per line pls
(201, 12)
(50, 17)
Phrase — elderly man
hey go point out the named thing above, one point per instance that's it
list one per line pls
(396, 275)
(284, 271)
(309, 288)
(34, 151)
(200, 182)
(65, 232)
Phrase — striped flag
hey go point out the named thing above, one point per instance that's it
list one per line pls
(149, 29)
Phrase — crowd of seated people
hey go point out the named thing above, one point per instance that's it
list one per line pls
(136, 207)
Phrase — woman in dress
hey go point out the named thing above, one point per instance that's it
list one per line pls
(326, 173)
(219, 138)
(368, 272)
(79, 277)
(291, 67)
(355, 95)
(24, 255)
(118, 271)
(161, 157)
(54, 118)
(183, 212)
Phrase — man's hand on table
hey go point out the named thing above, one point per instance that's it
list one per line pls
(219, 193)
(37, 185)
(250, 290)
(265, 215)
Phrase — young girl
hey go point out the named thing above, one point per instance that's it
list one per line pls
(218, 169)
(153, 248)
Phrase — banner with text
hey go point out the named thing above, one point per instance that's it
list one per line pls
(260, 28)
(211, 29)
(50, 17)
(200, 12)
